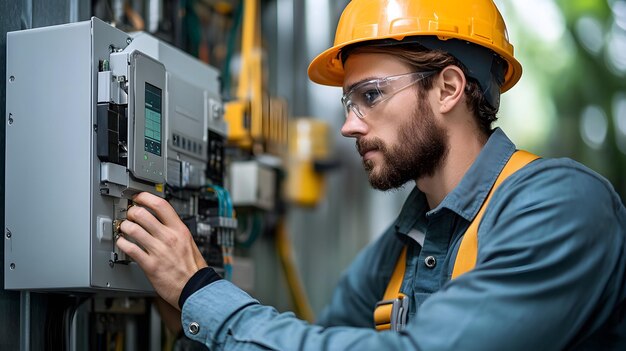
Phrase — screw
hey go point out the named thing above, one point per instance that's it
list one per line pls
(10, 118)
(8, 234)
(12, 266)
(12, 79)
(108, 285)
(129, 40)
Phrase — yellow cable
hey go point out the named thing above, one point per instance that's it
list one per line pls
(298, 294)
(119, 341)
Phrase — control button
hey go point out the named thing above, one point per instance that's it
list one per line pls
(430, 261)
(104, 229)
(194, 328)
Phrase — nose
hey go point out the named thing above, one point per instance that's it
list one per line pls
(353, 126)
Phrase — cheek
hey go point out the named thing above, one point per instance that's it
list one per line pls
(389, 120)
(389, 136)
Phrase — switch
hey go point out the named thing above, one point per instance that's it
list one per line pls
(104, 229)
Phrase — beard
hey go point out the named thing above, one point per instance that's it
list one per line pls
(421, 148)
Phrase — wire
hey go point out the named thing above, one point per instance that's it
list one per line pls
(59, 316)
(298, 294)
(253, 229)
(119, 341)
(225, 203)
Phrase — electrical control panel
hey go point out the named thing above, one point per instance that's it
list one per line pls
(94, 116)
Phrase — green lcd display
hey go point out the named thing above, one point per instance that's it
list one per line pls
(152, 130)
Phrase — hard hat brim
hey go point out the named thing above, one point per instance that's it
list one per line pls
(327, 68)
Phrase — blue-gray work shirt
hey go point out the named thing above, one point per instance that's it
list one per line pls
(550, 273)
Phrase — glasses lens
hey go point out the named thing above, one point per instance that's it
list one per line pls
(362, 98)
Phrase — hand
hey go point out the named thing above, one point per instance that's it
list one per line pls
(169, 256)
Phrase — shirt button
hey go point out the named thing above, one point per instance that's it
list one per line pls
(194, 328)
(430, 261)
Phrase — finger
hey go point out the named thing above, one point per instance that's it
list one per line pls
(137, 233)
(163, 210)
(134, 251)
(145, 219)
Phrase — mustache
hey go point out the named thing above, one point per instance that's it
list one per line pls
(363, 146)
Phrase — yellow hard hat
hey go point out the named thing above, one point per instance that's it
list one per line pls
(474, 21)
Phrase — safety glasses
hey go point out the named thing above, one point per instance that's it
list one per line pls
(365, 95)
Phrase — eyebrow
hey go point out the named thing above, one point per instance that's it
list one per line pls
(351, 86)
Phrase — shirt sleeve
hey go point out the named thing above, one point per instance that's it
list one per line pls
(199, 280)
(549, 251)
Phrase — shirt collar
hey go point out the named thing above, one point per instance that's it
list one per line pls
(470, 193)
(467, 197)
(414, 208)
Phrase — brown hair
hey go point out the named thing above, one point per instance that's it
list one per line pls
(423, 59)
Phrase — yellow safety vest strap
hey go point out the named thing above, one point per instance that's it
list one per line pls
(382, 317)
(468, 250)
(393, 288)
(383, 311)
(465, 258)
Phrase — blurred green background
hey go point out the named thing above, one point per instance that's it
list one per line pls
(571, 100)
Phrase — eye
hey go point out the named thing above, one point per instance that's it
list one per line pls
(371, 96)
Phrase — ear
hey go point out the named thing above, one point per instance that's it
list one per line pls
(451, 87)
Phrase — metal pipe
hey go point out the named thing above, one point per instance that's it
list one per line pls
(284, 47)
(27, 14)
(73, 11)
(130, 333)
(154, 13)
(24, 321)
(155, 328)
(118, 11)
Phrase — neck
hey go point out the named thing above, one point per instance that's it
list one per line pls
(464, 147)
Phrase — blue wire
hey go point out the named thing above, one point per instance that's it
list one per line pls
(220, 202)
(225, 201)
(218, 189)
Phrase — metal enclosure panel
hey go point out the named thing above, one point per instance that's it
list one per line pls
(60, 222)
(119, 277)
(186, 68)
(193, 105)
(9, 300)
(48, 157)
(186, 112)
(54, 204)
(186, 132)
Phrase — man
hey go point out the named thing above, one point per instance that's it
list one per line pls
(545, 270)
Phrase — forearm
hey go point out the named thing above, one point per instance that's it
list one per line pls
(228, 318)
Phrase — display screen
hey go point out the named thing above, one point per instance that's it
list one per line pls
(152, 130)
